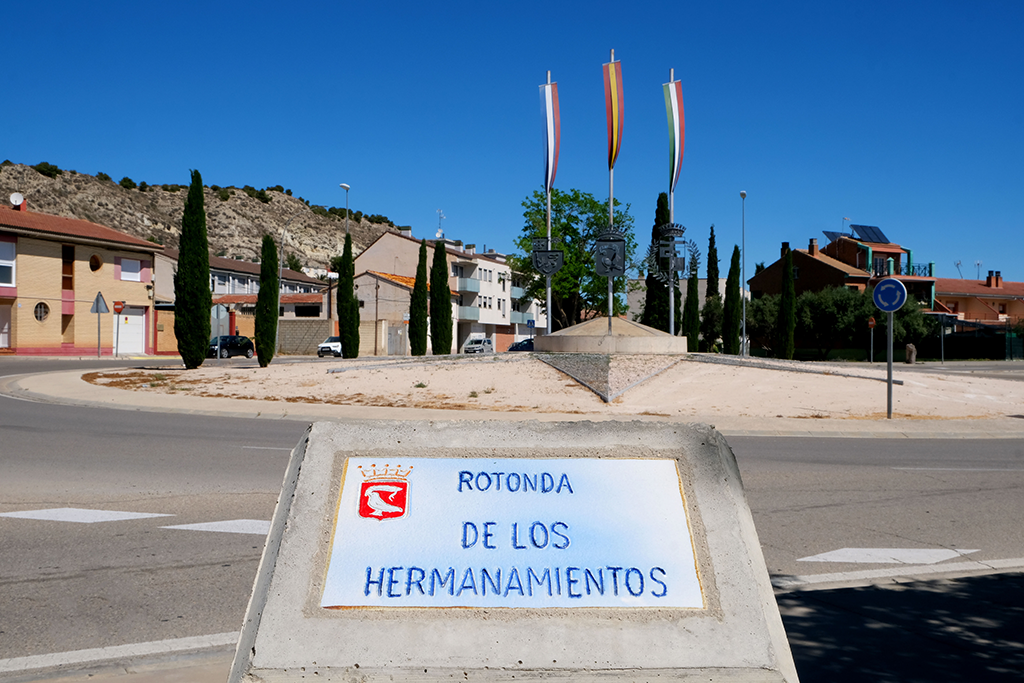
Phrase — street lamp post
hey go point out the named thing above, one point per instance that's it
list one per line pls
(346, 187)
(743, 269)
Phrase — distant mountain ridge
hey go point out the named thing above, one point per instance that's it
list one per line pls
(235, 225)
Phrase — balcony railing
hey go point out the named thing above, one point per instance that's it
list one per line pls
(917, 270)
(465, 284)
(517, 292)
(469, 313)
(518, 318)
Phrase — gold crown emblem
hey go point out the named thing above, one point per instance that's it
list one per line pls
(385, 473)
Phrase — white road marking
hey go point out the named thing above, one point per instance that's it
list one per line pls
(888, 555)
(80, 515)
(906, 571)
(960, 469)
(231, 526)
(99, 654)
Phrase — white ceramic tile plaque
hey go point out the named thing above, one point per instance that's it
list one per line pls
(428, 532)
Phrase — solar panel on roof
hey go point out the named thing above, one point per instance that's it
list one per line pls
(870, 233)
(832, 236)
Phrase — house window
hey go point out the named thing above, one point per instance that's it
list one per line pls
(796, 272)
(131, 270)
(7, 264)
(42, 311)
(67, 266)
(1002, 308)
(95, 262)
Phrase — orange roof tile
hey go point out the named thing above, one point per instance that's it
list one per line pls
(68, 227)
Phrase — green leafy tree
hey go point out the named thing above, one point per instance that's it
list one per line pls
(440, 303)
(786, 328)
(127, 183)
(267, 304)
(711, 324)
(712, 289)
(348, 304)
(192, 297)
(418, 306)
(292, 262)
(732, 310)
(691, 309)
(832, 317)
(762, 320)
(655, 313)
(577, 219)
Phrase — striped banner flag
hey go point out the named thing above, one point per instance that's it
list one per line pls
(676, 130)
(552, 132)
(613, 107)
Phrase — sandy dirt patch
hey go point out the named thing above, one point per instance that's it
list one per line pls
(522, 383)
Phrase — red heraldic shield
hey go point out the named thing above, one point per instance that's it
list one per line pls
(384, 499)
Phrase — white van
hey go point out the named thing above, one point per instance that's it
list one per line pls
(479, 345)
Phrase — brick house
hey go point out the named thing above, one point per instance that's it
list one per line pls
(51, 270)
(993, 301)
(858, 261)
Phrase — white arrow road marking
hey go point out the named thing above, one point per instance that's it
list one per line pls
(80, 515)
(231, 526)
(888, 555)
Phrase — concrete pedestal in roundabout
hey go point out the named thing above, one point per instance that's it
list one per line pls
(496, 551)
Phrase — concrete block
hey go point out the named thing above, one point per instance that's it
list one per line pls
(677, 588)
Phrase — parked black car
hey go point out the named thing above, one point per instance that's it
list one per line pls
(522, 345)
(231, 345)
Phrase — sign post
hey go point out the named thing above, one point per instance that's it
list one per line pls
(871, 326)
(99, 307)
(118, 307)
(890, 294)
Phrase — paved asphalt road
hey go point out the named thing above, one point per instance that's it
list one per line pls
(66, 585)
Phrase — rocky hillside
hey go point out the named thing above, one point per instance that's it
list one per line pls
(236, 222)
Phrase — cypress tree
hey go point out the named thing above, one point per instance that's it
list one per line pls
(440, 303)
(691, 309)
(655, 313)
(193, 299)
(731, 323)
(267, 303)
(787, 310)
(348, 304)
(418, 306)
(712, 288)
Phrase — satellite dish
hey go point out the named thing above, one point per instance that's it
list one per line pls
(17, 199)
(439, 234)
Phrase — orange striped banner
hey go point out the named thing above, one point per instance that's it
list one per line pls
(613, 109)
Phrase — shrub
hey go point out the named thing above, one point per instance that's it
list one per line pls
(47, 169)
(224, 194)
(288, 192)
(103, 176)
(261, 195)
(277, 188)
(143, 186)
(319, 211)
(127, 183)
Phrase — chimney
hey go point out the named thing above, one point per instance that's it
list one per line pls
(471, 249)
(812, 248)
(999, 279)
(785, 248)
(991, 280)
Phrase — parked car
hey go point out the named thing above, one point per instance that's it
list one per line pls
(522, 345)
(480, 345)
(329, 347)
(231, 345)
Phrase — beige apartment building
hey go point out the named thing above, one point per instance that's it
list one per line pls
(53, 269)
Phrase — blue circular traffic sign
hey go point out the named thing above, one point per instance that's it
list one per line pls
(889, 295)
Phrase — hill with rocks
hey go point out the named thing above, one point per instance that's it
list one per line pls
(236, 218)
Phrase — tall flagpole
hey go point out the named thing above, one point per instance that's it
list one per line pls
(548, 182)
(671, 219)
(614, 114)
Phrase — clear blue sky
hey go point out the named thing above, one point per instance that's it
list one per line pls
(906, 115)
